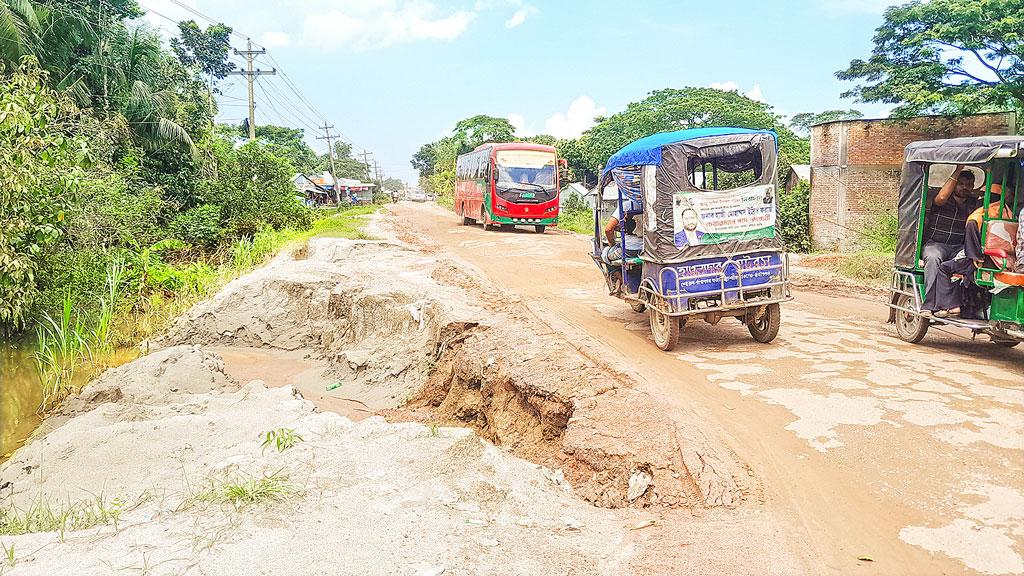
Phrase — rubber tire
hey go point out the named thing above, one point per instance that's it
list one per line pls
(540, 228)
(466, 220)
(664, 329)
(508, 227)
(766, 329)
(911, 328)
(1006, 343)
(638, 306)
(483, 219)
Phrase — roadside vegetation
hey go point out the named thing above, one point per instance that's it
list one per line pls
(121, 201)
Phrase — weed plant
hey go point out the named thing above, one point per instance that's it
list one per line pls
(41, 516)
(281, 438)
(242, 492)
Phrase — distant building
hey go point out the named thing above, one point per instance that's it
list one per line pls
(856, 166)
(797, 173)
(575, 189)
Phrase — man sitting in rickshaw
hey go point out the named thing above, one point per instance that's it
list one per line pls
(948, 297)
(634, 243)
(944, 236)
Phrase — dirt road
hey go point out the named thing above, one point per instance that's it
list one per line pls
(867, 447)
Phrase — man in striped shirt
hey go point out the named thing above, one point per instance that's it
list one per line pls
(945, 228)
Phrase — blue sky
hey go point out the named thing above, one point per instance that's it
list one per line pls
(394, 74)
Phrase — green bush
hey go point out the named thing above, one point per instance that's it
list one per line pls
(795, 217)
(199, 226)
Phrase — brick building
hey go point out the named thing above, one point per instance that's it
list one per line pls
(855, 168)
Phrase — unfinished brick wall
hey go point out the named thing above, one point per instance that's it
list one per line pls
(856, 166)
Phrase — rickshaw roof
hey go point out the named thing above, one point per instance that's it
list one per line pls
(647, 151)
(972, 150)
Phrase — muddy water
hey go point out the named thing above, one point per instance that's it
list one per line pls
(21, 392)
(20, 395)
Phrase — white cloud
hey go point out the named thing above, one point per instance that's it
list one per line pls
(730, 86)
(520, 15)
(578, 118)
(366, 24)
(275, 39)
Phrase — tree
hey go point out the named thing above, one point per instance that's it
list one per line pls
(206, 50)
(479, 129)
(393, 184)
(801, 123)
(676, 109)
(945, 56)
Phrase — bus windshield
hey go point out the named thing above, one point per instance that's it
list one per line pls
(526, 175)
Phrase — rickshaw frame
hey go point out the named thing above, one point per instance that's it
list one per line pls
(908, 279)
(735, 290)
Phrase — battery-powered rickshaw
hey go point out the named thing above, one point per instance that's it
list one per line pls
(703, 203)
(993, 292)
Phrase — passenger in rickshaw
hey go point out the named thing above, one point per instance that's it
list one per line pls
(949, 298)
(944, 236)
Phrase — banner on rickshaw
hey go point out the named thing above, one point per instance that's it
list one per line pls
(713, 217)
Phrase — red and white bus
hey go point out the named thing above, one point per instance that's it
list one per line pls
(508, 184)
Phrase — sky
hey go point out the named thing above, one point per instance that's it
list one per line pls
(391, 75)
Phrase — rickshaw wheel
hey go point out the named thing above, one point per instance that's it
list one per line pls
(638, 306)
(767, 328)
(911, 327)
(664, 329)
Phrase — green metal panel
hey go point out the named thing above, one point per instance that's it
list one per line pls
(1008, 305)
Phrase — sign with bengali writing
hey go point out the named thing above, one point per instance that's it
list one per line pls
(713, 217)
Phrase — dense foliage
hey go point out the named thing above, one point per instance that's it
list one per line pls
(112, 161)
(945, 56)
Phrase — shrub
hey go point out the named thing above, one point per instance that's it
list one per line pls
(795, 217)
(199, 226)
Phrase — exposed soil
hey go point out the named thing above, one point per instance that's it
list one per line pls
(320, 341)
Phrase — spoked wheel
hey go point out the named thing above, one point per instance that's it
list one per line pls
(766, 328)
(638, 306)
(540, 228)
(911, 327)
(664, 329)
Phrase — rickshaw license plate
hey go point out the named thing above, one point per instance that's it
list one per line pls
(527, 195)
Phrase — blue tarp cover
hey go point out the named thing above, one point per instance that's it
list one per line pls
(647, 151)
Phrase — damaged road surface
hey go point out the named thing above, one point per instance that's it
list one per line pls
(421, 420)
(859, 444)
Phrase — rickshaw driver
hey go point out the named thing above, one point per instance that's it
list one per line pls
(634, 243)
(947, 226)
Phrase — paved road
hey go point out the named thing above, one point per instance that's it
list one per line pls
(912, 455)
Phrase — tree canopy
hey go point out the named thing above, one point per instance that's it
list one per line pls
(801, 123)
(945, 56)
(206, 50)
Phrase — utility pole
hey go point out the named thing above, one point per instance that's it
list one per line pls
(330, 154)
(366, 162)
(251, 75)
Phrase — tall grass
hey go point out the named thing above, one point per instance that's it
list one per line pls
(61, 345)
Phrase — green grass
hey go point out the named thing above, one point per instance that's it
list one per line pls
(242, 492)
(44, 517)
(281, 438)
(580, 220)
(870, 266)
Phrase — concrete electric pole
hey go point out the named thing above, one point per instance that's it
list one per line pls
(330, 154)
(251, 75)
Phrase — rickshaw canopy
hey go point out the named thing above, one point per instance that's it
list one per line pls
(684, 220)
(918, 156)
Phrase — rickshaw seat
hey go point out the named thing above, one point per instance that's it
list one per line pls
(1000, 243)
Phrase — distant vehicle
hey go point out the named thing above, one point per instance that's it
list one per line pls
(508, 184)
(993, 299)
(416, 196)
(697, 236)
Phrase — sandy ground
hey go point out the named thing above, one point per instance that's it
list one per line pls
(319, 341)
(866, 446)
